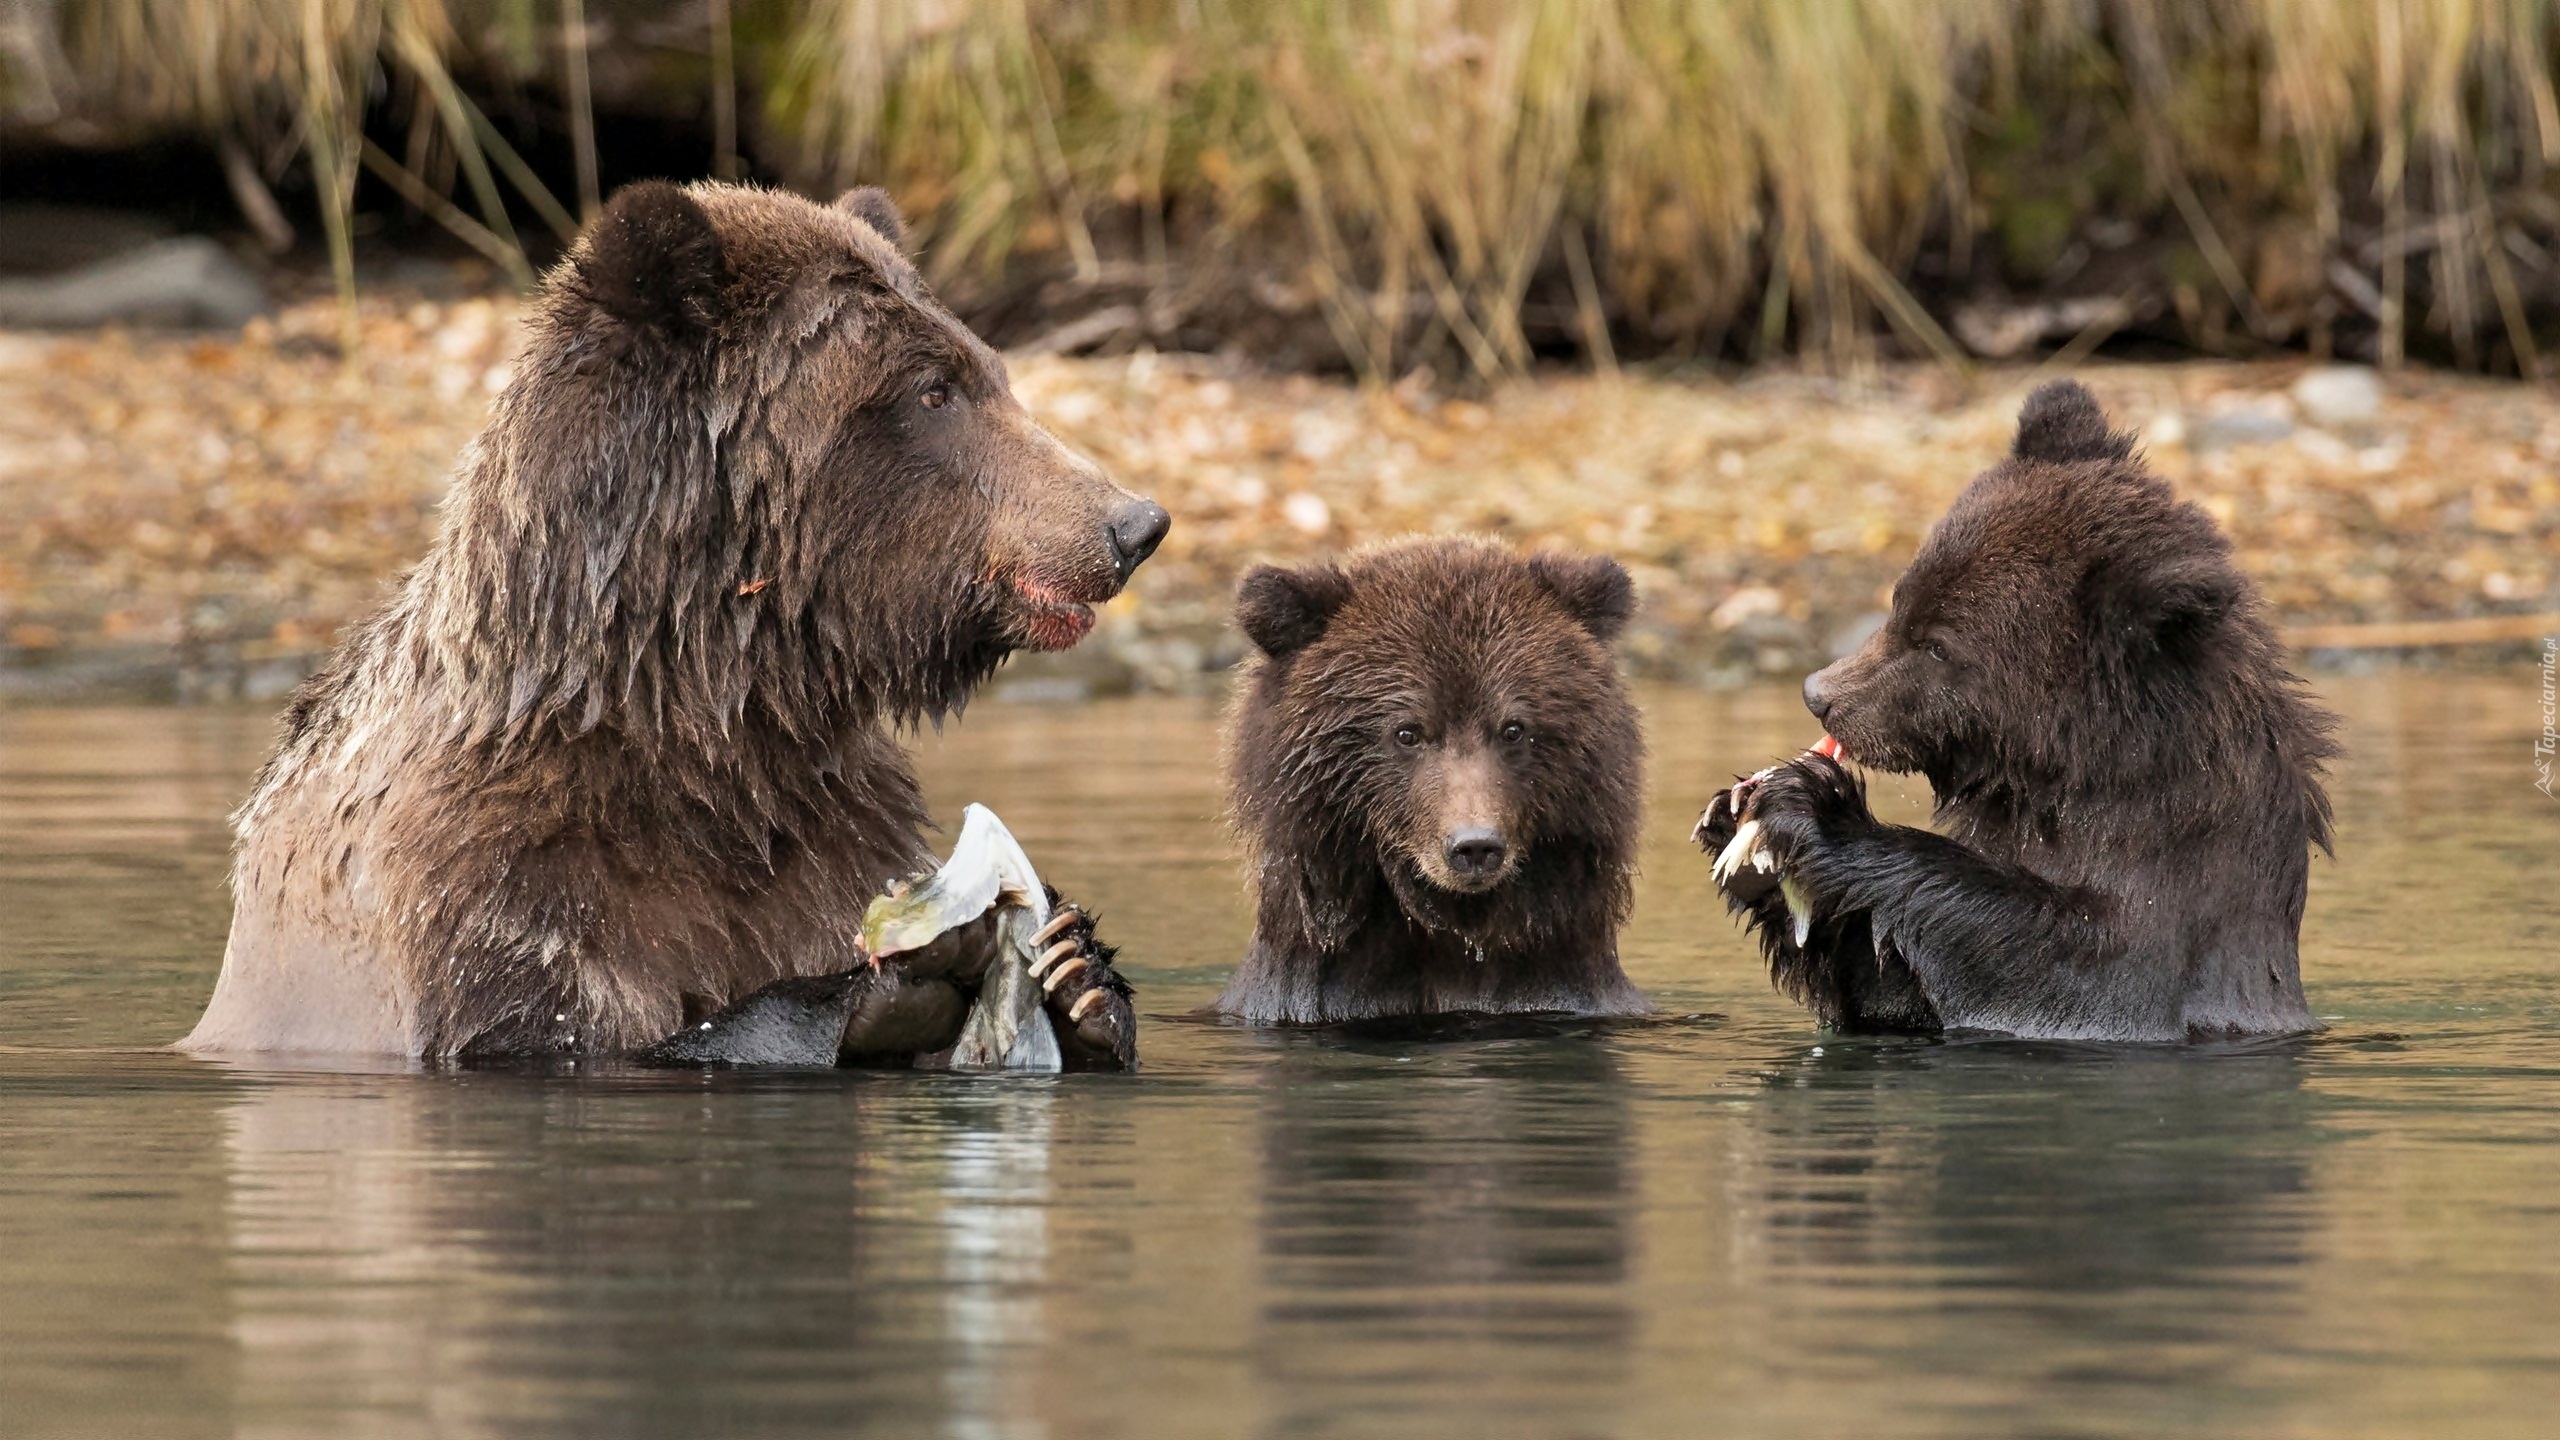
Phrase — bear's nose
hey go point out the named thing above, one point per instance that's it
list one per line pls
(1136, 528)
(1475, 852)
(1817, 694)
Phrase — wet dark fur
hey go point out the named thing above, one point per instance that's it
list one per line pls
(2127, 775)
(628, 733)
(1454, 638)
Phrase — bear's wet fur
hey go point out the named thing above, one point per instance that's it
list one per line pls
(624, 745)
(1437, 775)
(2127, 775)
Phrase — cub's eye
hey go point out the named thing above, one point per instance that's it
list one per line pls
(1937, 650)
(1408, 736)
(1513, 732)
(936, 395)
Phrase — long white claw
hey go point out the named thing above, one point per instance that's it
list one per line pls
(1741, 845)
(1799, 905)
(1062, 975)
(1057, 925)
(1086, 1004)
(1051, 956)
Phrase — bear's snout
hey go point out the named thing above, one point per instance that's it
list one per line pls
(1134, 529)
(1818, 692)
(1466, 847)
(1475, 854)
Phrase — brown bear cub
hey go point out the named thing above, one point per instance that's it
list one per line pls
(622, 750)
(2127, 775)
(1436, 773)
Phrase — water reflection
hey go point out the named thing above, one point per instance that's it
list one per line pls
(1476, 1198)
(438, 1254)
(1727, 1225)
(2076, 1170)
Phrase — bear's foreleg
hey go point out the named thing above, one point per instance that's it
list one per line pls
(1823, 958)
(858, 1016)
(1992, 945)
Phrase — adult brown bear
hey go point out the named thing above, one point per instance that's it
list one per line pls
(1438, 777)
(624, 744)
(2127, 775)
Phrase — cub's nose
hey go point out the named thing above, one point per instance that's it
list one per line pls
(1475, 852)
(1136, 528)
(1817, 693)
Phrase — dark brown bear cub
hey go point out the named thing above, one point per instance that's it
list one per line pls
(1436, 773)
(2127, 775)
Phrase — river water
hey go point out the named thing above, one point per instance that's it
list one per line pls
(1721, 1222)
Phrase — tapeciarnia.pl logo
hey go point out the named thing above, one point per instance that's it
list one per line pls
(2550, 741)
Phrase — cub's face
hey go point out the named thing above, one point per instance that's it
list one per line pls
(1451, 703)
(885, 493)
(1972, 648)
(2047, 617)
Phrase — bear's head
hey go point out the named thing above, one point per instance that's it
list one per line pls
(2069, 625)
(1447, 712)
(751, 468)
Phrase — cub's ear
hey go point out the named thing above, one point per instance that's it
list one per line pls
(1594, 588)
(2061, 422)
(653, 260)
(872, 206)
(1284, 611)
(2167, 610)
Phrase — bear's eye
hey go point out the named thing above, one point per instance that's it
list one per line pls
(1408, 736)
(1937, 650)
(936, 395)
(1513, 732)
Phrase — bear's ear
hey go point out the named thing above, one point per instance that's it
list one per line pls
(1284, 611)
(2166, 610)
(872, 206)
(2061, 422)
(653, 260)
(1594, 588)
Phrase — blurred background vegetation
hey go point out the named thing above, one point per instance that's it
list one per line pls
(1460, 185)
(1739, 291)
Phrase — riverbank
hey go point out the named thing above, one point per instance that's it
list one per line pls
(196, 517)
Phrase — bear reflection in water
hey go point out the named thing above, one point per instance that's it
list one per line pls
(1447, 1187)
(741, 1253)
(2058, 1225)
(1315, 1215)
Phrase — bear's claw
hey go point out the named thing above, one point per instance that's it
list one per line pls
(1087, 999)
(1765, 828)
(1054, 953)
(1745, 844)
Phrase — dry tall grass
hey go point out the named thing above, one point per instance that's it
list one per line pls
(1714, 172)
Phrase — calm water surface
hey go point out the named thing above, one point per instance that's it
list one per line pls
(1721, 1223)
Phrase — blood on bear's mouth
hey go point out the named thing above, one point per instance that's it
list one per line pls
(1047, 617)
(1830, 748)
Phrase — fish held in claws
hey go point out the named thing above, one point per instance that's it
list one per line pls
(987, 873)
(960, 937)
(1747, 869)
